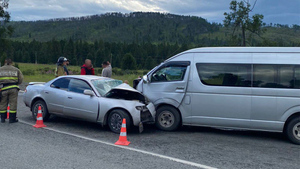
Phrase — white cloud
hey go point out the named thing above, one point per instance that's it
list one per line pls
(212, 10)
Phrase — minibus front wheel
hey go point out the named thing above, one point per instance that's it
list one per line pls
(167, 118)
(293, 130)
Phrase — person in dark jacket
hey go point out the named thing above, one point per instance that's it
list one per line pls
(87, 68)
(66, 66)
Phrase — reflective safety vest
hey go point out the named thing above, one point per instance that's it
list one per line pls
(9, 87)
(10, 77)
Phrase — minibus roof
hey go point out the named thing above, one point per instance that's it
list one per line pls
(246, 50)
(240, 50)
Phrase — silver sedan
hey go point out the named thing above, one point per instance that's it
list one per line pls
(90, 98)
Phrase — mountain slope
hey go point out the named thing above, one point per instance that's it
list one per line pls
(117, 27)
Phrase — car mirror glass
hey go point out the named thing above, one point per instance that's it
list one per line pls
(88, 92)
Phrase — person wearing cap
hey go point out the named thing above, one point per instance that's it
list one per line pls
(66, 66)
(60, 70)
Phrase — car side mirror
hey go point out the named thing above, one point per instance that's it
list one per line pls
(145, 79)
(88, 92)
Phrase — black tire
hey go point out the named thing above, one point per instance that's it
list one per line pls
(34, 110)
(115, 119)
(167, 118)
(292, 130)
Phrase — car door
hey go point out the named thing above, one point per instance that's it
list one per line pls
(168, 83)
(53, 95)
(79, 105)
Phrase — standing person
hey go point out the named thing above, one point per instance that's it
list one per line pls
(87, 68)
(107, 70)
(60, 70)
(66, 66)
(10, 78)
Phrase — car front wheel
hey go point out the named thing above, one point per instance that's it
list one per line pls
(293, 130)
(115, 119)
(167, 118)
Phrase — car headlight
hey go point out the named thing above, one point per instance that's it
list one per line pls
(141, 108)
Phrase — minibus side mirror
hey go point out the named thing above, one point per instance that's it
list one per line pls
(145, 79)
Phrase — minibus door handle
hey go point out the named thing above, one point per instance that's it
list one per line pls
(179, 89)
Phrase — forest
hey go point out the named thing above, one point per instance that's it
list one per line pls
(130, 41)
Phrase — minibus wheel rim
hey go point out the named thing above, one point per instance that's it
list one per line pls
(166, 119)
(296, 131)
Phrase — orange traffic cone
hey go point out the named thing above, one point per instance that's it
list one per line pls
(123, 135)
(39, 119)
(8, 108)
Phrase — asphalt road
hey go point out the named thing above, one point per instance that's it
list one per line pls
(77, 144)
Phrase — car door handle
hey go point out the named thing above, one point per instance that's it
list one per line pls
(70, 97)
(46, 92)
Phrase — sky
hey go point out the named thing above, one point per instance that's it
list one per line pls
(274, 11)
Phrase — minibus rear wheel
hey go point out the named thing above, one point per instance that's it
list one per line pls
(293, 130)
(167, 118)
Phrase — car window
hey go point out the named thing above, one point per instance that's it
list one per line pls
(61, 83)
(78, 86)
(170, 73)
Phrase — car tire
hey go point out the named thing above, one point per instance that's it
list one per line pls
(292, 130)
(34, 110)
(167, 118)
(115, 119)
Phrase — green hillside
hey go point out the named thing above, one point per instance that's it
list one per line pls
(150, 27)
(116, 27)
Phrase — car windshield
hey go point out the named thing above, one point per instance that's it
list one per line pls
(105, 85)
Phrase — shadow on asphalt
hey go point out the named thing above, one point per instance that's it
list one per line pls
(150, 129)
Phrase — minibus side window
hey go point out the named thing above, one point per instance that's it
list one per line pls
(286, 76)
(297, 77)
(215, 74)
(170, 73)
(265, 76)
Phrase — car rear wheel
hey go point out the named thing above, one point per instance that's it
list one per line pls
(293, 130)
(167, 118)
(115, 119)
(44, 109)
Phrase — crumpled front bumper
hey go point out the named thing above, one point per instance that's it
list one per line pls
(148, 114)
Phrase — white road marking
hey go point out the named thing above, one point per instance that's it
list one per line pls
(128, 148)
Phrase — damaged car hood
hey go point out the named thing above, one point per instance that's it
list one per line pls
(126, 92)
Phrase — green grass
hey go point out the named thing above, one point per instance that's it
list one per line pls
(38, 72)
